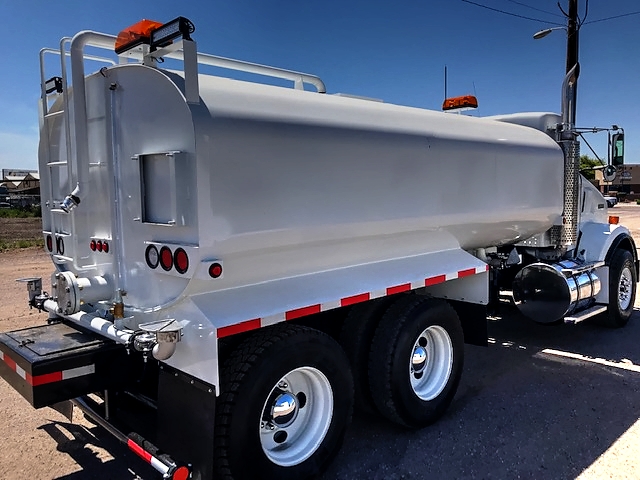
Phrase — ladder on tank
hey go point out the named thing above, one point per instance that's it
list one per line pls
(51, 90)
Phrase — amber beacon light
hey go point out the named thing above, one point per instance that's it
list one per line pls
(154, 34)
(465, 101)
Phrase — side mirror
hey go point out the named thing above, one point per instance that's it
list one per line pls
(617, 149)
(609, 173)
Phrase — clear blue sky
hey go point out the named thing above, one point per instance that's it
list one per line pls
(394, 51)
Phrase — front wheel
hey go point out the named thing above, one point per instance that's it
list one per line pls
(286, 400)
(622, 289)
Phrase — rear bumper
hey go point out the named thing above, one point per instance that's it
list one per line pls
(51, 363)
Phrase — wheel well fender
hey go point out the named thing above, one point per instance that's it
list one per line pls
(624, 242)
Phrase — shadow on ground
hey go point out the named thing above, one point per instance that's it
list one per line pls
(519, 412)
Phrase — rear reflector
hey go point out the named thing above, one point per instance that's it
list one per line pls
(181, 473)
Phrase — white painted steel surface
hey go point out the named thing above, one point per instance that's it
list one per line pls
(295, 192)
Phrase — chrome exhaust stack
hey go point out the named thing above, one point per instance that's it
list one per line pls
(568, 235)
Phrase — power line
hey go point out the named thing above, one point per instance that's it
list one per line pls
(534, 8)
(610, 18)
(513, 14)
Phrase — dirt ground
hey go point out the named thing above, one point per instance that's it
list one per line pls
(42, 444)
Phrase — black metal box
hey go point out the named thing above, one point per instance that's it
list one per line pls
(52, 363)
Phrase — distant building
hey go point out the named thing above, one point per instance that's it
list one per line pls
(627, 181)
(22, 187)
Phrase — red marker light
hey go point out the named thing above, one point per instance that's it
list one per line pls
(181, 260)
(49, 243)
(215, 270)
(93, 245)
(60, 246)
(166, 258)
(105, 247)
(99, 245)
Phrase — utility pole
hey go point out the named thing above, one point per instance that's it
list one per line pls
(572, 46)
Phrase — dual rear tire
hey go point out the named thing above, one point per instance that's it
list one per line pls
(288, 393)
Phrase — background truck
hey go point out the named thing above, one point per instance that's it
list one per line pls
(238, 264)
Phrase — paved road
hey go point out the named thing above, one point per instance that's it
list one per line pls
(555, 402)
(526, 408)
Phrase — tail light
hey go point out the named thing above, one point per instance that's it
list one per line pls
(166, 258)
(181, 260)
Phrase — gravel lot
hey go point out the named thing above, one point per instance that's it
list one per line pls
(539, 402)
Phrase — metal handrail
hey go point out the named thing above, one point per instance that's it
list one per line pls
(240, 65)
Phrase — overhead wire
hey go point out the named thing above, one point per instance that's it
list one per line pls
(513, 14)
(534, 8)
(614, 17)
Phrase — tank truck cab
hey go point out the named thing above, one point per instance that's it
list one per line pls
(591, 273)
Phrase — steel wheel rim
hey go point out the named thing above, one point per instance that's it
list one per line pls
(296, 416)
(625, 288)
(431, 362)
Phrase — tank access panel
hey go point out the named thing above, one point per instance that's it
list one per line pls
(51, 363)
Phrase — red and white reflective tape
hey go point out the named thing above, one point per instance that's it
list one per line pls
(147, 457)
(36, 380)
(256, 323)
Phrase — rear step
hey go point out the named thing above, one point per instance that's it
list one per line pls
(56, 362)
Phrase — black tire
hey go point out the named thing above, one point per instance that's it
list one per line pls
(622, 289)
(252, 377)
(356, 338)
(396, 340)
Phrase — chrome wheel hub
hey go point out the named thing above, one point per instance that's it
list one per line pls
(431, 362)
(625, 288)
(296, 416)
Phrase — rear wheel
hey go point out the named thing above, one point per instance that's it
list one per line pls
(416, 361)
(287, 397)
(356, 338)
(622, 289)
